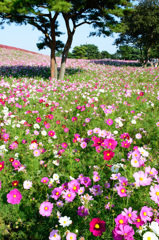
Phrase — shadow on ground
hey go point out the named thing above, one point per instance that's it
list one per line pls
(32, 71)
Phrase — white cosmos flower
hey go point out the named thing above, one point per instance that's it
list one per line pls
(27, 184)
(133, 121)
(55, 177)
(43, 133)
(154, 227)
(65, 221)
(150, 236)
(36, 126)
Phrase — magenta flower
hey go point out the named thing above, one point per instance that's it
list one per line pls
(154, 193)
(38, 120)
(14, 196)
(146, 214)
(16, 164)
(82, 211)
(66, 130)
(64, 145)
(109, 122)
(121, 191)
(51, 133)
(44, 180)
(139, 222)
(96, 190)
(110, 143)
(97, 227)
(86, 181)
(125, 144)
(56, 193)
(46, 209)
(2, 165)
(47, 125)
(108, 155)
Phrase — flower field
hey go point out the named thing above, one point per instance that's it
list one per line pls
(78, 157)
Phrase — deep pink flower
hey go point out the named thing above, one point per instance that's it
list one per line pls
(108, 154)
(69, 196)
(1, 165)
(110, 143)
(74, 186)
(46, 209)
(51, 133)
(14, 196)
(139, 222)
(56, 193)
(64, 145)
(16, 164)
(125, 136)
(38, 119)
(97, 226)
(126, 231)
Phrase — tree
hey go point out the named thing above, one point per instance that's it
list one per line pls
(105, 54)
(43, 15)
(79, 52)
(128, 53)
(92, 51)
(141, 28)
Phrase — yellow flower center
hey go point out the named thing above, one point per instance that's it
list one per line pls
(121, 221)
(0, 166)
(57, 193)
(150, 172)
(144, 213)
(97, 226)
(14, 196)
(71, 237)
(46, 208)
(135, 161)
(157, 193)
(138, 220)
(74, 188)
(141, 179)
(69, 195)
(122, 190)
(129, 214)
(149, 238)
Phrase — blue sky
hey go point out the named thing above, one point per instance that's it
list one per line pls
(26, 37)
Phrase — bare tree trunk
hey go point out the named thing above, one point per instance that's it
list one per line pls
(52, 65)
(67, 46)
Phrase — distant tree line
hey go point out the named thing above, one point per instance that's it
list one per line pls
(124, 52)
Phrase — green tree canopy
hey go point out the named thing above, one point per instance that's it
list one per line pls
(141, 28)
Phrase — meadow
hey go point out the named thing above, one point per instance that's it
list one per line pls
(78, 157)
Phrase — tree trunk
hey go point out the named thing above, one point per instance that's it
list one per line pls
(52, 65)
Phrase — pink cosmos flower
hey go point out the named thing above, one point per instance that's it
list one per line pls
(131, 215)
(44, 180)
(66, 130)
(121, 191)
(96, 177)
(64, 145)
(54, 235)
(47, 125)
(83, 145)
(69, 196)
(154, 193)
(82, 211)
(36, 153)
(139, 222)
(151, 171)
(14, 196)
(13, 145)
(51, 133)
(141, 179)
(97, 227)
(126, 231)
(146, 214)
(109, 122)
(125, 144)
(135, 162)
(108, 155)
(56, 193)
(86, 181)
(74, 186)
(121, 220)
(16, 163)
(46, 209)
(71, 236)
